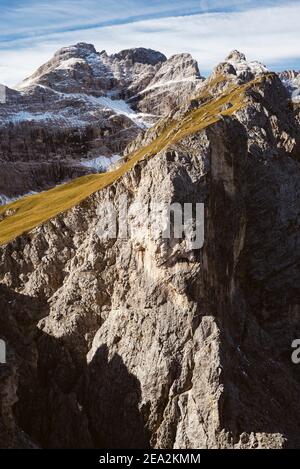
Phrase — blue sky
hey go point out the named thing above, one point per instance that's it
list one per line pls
(31, 31)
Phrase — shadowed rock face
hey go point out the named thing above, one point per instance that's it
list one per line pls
(21, 178)
(146, 341)
(106, 381)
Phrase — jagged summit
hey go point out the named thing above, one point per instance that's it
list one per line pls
(141, 55)
(81, 49)
(179, 66)
(80, 68)
(135, 55)
(237, 67)
(235, 56)
(291, 80)
(244, 69)
(289, 74)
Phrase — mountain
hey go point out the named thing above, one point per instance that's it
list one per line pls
(85, 105)
(143, 341)
(291, 80)
(139, 75)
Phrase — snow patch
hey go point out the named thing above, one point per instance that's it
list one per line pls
(167, 84)
(69, 63)
(98, 67)
(62, 118)
(292, 85)
(122, 108)
(242, 66)
(28, 116)
(4, 200)
(101, 163)
(27, 83)
(118, 106)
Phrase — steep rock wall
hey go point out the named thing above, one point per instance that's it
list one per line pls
(143, 341)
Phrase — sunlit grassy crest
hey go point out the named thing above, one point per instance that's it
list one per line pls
(26, 214)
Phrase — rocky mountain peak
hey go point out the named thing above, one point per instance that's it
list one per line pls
(244, 69)
(81, 49)
(289, 74)
(80, 68)
(141, 55)
(178, 68)
(236, 67)
(235, 56)
(291, 80)
(66, 71)
(184, 65)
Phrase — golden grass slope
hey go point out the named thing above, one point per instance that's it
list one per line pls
(26, 214)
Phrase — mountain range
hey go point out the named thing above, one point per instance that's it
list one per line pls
(85, 107)
(144, 341)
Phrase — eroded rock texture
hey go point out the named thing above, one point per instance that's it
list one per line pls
(145, 342)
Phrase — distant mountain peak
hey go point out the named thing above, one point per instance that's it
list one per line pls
(235, 56)
(79, 68)
(141, 55)
(237, 67)
(291, 80)
(81, 49)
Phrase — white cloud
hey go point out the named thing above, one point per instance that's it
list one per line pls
(35, 17)
(270, 35)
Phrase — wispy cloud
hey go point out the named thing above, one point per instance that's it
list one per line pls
(36, 18)
(39, 15)
(208, 30)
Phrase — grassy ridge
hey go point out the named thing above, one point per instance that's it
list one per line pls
(27, 213)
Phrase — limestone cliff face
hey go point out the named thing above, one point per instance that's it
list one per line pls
(145, 342)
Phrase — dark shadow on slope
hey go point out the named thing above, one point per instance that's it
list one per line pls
(83, 406)
(111, 397)
(60, 401)
(19, 315)
(253, 247)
